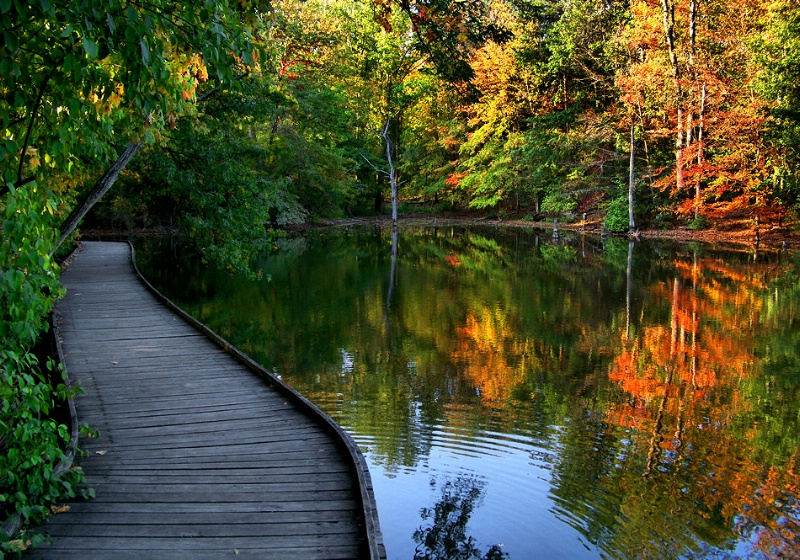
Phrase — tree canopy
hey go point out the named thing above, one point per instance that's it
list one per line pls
(510, 107)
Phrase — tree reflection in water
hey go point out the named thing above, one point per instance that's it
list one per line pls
(606, 360)
(445, 537)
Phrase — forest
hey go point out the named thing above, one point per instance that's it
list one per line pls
(228, 120)
(652, 114)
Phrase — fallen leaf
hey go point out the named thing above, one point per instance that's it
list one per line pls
(59, 509)
(18, 545)
(101, 452)
(113, 362)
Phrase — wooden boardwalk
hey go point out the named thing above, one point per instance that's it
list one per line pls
(197, 457)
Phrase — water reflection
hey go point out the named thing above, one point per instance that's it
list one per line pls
(613, 398)
(445, 536)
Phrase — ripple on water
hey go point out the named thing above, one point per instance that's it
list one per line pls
(510, 470)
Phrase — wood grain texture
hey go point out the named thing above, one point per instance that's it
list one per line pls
(196, 456)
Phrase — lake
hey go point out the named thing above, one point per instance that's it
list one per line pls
(521, 397)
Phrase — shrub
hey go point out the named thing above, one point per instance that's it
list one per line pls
(32, 442)
(698, 223)
(617, 220)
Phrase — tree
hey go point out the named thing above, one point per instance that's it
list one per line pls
(777, 51)
(107, 69)
(433, 132)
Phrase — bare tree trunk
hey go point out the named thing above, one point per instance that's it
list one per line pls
(100, 188)
(700, 154)
(668, 12)
(392, 171)
(631, 182)
(695, 320)
(692, 31)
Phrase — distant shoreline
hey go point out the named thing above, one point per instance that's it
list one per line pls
(769, 236)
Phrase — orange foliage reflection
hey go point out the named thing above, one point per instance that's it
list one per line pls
(713, 311)
(491, 354)
(674, 374)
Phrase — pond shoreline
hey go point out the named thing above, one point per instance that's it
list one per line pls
(769, 235)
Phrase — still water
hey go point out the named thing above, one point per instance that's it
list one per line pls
(521, 398)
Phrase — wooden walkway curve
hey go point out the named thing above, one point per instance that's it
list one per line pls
(196, 456)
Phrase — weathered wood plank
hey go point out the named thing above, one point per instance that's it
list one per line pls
(257, 529)
(311, 552)
(212, 469)
(342, 478)
(179, 509)
(215, 495)
(196, 457)
(223, 518)
(254, 457)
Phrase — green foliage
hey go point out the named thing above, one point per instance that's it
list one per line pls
(210, 182)
(617, 219)
(28, 276)
(542, 156)
(84, 74)
(430, 140)
(492, 173)
(698, 223)
(557, 204)
(778, 54)
(31, 442)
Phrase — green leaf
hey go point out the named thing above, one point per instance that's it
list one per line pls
(70, 63)
(5, 5)
(90, 47)
(11, 40)
(111, 25)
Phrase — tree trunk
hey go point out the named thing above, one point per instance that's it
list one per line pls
(700, 154)
(100, 188)
(631, 182)
(392, 171)
(668, 13)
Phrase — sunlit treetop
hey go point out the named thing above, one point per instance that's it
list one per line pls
(78, 77)
(446, 30)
